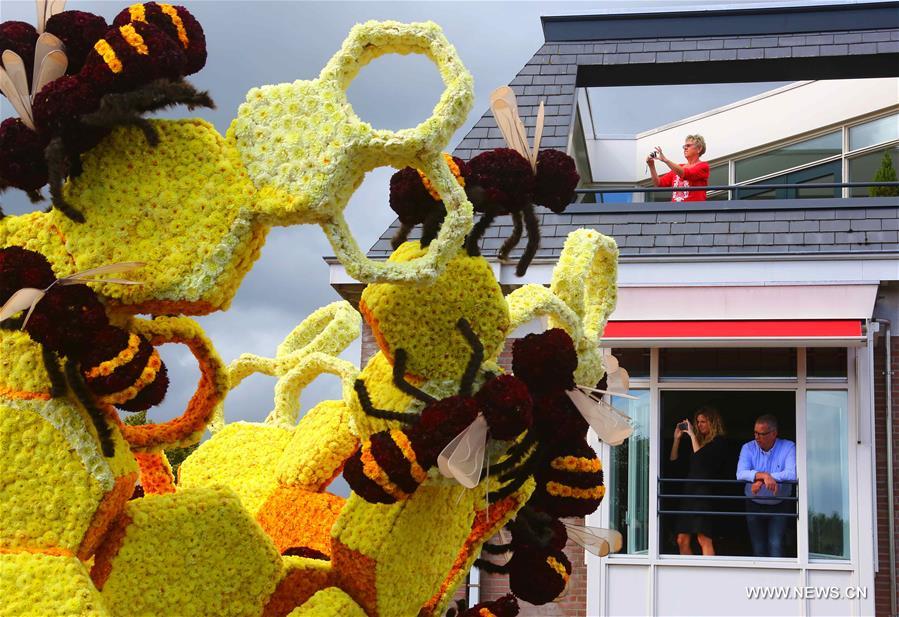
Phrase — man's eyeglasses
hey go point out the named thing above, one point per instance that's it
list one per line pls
(687, 146)
(757, 434)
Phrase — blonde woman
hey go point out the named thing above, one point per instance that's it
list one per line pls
(707, 461)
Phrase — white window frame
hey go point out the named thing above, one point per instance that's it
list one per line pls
(801, 385)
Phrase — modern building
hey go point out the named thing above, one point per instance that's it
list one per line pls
(781, 297)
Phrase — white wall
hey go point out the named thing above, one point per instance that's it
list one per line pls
(792, 110)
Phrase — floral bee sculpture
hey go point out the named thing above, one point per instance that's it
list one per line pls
(250, 529)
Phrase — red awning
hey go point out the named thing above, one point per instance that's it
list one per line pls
(761, 333)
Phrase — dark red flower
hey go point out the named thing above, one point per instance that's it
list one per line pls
(79, 31)
(60, 104)
(564, 490)
(19, 37)
(124, 375)
(21, 268)
(506, 606)
(505, 177)
(557, 178)
(193, 42)
(534, 576)
(506, 404)
(439, 424)
(545, 362)
(361, 484)
(66, 318)
(556, 418)
(151, 394)
(22, 162)
(409, 198)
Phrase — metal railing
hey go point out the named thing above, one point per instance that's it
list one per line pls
(662, 495)
(735, 188)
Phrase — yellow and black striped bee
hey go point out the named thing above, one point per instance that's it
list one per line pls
(390, 465)
(105, 365)
(135, 67)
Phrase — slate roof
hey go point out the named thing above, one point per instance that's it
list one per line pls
(820, 226)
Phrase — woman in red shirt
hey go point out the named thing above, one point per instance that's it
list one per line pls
(692, 173)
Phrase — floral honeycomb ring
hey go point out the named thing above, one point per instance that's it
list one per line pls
(307, 151)
(212, 387)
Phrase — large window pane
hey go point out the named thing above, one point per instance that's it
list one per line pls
(628, 477)
(826, 362)
(788, 157)
(827, 423)
(634, 360)
(864, 168)
(718, 177)
(874, 132)
(740, 362)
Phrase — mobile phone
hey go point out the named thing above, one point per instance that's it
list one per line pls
(682, 426)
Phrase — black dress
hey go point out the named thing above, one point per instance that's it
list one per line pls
(710, 462)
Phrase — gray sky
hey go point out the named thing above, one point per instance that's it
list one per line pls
(256, 43)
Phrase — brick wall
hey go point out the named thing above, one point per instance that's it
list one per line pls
(882, 577)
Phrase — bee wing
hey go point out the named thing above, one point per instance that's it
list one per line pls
(25, 298)
(597, 540)
(619, 381)
(50, 62)
(505, 111)
(615, 392)
(14, 84)
(612, 426)
(86, 275)
(538, 134)
(463, 457)
(47, 9)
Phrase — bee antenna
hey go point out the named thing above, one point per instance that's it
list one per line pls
(477, 356)
(381, 414)
(399, 379)
(533, 227)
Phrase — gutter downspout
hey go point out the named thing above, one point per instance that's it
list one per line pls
(888, 380)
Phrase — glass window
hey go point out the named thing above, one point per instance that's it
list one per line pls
(718, 177)
(864, 169)
(827, 424)
(704, 483)
(740, 362)
(634, 361)
(788, 157)
(825, 362)
(874, 132)
(628, 477)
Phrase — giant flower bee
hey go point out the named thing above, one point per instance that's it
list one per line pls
(105, 364)
(87, 78)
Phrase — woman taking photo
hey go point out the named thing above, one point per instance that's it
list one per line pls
(707, 459)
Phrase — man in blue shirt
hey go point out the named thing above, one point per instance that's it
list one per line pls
(765, 463)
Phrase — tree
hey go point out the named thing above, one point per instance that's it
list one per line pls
(886, 173)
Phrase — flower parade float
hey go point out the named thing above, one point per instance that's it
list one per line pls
(440, 447)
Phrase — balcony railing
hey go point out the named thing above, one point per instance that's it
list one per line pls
(678, 497)
(735, 189)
